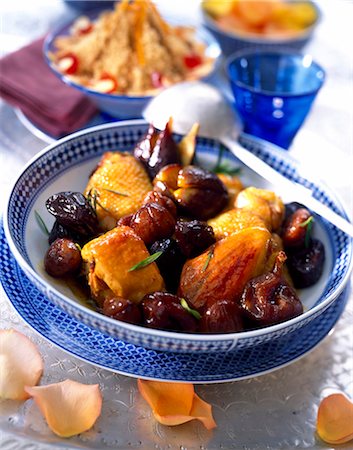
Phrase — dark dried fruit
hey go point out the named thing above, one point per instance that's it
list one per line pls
(193, 237)
(62, 258)
(222, 316)
(170, 263)
(290, 208)
(59, 231)
(306, 265)
(163, 200)
(119, 308)
(296, 228)
(268, 299)
(164, 311)
(73, 211)
(200, 194)
(157, 149)
(152, 222)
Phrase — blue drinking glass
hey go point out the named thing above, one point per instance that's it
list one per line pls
(274, 91)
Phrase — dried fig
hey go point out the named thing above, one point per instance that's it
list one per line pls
(268, 299)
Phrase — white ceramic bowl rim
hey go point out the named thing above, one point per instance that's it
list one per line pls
(259, 39)
(150, 331)
(200, 31)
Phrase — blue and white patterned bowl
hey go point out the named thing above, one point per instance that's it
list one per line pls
(124, 106)
(66, 165)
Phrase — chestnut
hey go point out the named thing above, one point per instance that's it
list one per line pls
(200, 194)
(63, 258)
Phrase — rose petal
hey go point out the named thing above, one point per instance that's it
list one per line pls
(335, 419)
(69, 407)
(175, 403)
(21, 365)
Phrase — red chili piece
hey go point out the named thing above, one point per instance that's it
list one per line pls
(106, 84)
(192, 60)
(68, 64)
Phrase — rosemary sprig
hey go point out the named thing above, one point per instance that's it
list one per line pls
(219, 158)
(116, 192)
(41, 223)
(92, 197)
(208, 259)
(145, 262)
(224, 167)
(227, 170)
(187, 308)
(309, 225)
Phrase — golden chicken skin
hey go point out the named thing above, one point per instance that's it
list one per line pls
(109, 260)
(119, 184)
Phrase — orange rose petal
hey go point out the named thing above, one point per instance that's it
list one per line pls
(202, 411)
(69, 407)
(175, 403)
(21, 365)
(335, 419)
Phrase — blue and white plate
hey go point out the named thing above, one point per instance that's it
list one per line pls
(113, 354)
(66, 165)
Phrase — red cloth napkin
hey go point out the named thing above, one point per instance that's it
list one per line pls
(27, 82)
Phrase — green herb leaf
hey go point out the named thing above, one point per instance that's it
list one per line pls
(92, 197)
(219, 158)
(208, 259)
(227, 170)
(224, 167)
(187, 308)
(78, 246)
(145, 262)
(41, 223)
(309, 225)
(116, 192)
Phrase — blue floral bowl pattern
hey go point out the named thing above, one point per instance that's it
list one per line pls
(66, 164)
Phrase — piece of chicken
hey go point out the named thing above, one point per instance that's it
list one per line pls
(109, 259)
(120, 183)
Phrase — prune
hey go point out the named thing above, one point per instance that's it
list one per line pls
(152, 222)
(73, 211)
(163, 200)
(294, 230)
(268, 299)
(59, 231)
(170, 263)
(306, 265)
(122, 309)
(290, 208)
(164, 311)
(222, 316)
(62, 258)
(200, 194)
(193, 237)
(157, 150)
